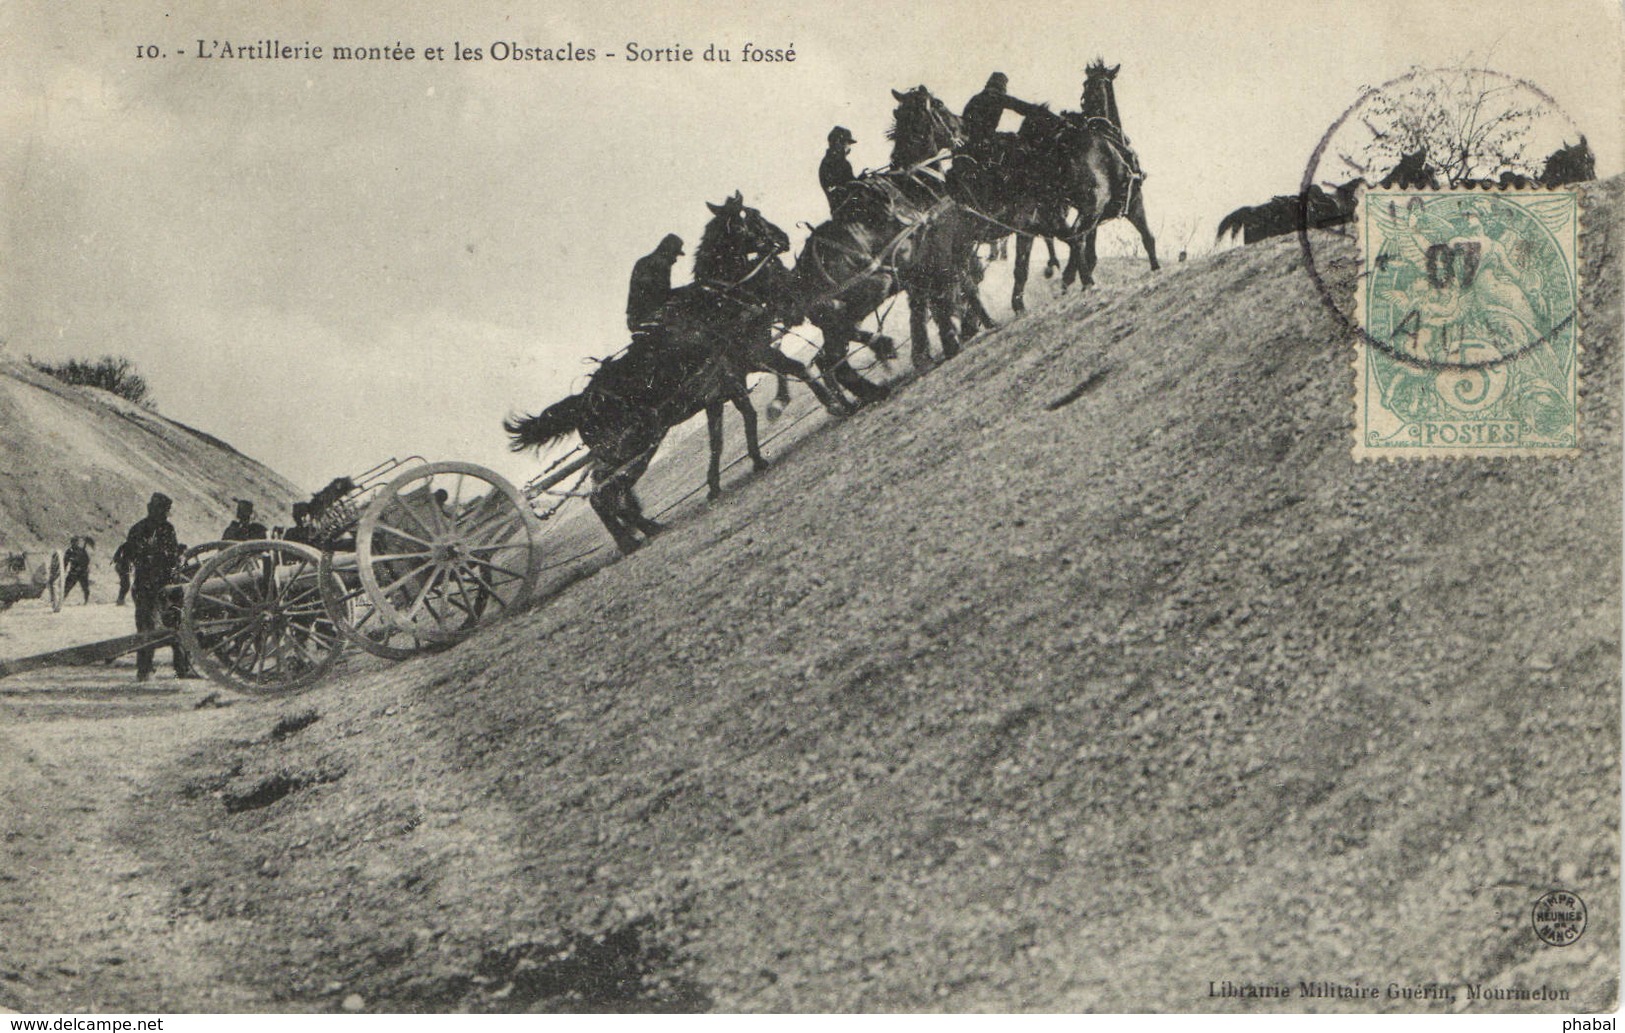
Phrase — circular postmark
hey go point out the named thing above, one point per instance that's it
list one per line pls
(1438, 240)
(1559, 918)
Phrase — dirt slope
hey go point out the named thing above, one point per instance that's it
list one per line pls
(1087, 670)
(78, 460)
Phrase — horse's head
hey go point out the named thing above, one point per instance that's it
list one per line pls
(736, 240)
(1099, 99)
(921, 126)
(1097, 70)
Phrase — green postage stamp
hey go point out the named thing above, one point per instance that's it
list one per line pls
(1469, 340)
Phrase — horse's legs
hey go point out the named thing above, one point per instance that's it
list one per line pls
(942, 310)
(1136, 215)
(605, 499)
(781, 399)
(1024, 254)
(838, 372)
(883, 346)
(633, 511)
(1053, 263)
(747, 415)
(784, 367)
(713, 473)
(919, 343)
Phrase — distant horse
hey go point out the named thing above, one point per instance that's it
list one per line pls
(1106, 174)
(904, 233)
(1316, 209)
(1571, 163)
(1284, 214)
(715, 331)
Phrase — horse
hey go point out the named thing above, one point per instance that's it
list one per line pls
(1283, 214)
(906, 233)
(714, 331)
(922, 128)
(1105, 172)
(1571, 163)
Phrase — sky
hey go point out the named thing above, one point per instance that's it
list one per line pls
(328, 263)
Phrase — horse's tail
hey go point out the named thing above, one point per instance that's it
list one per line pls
(1234, 223)
(549, 425)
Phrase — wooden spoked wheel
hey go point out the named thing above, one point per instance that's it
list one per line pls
(253, 618)
(445, 548)
(192, 559)
(358, 619)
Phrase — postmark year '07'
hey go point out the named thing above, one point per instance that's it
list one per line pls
(1469, 331)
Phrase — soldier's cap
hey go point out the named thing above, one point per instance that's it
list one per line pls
(301, 509)
(244, 507)
(672, 244)
(841, 134)
(998, 80)
(159, 501)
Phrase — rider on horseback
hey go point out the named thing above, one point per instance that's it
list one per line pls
(981, 119)
(835, 173)
(651, 286)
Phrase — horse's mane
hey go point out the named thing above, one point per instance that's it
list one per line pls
(714, 251)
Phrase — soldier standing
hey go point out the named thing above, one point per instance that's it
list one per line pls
(77, 562)
(245, 528)
(154, 553)
(121, 565)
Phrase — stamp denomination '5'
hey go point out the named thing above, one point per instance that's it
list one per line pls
(1468, 311)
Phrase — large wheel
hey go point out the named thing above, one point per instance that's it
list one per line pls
(192, 559)
(445, 548)
(359, 620)
(253, 618)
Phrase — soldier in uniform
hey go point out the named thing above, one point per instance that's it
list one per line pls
(245, 528)
(77, 562)
(980, 121)
(154, 552)
(650, 287)
(835, 173)
(121, 566)
(303, 530)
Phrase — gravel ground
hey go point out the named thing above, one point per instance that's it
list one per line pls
(1085, 673)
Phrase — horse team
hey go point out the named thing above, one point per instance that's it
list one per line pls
(916, 233)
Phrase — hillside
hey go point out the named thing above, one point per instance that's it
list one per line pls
(78, 460)
(1086, 671)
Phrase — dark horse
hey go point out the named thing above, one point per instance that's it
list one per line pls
(715, 331)
(1570, 163)
(906, 234)
(1316, 209)
(1284, 213)
(1020, 203)
(1104, 174)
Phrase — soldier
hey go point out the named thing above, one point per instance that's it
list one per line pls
(303, 530)
(121, 565)
(981, 118)
(77, 563)
(154, 553)
(835, 173)
(245, 528)
(651, 285)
